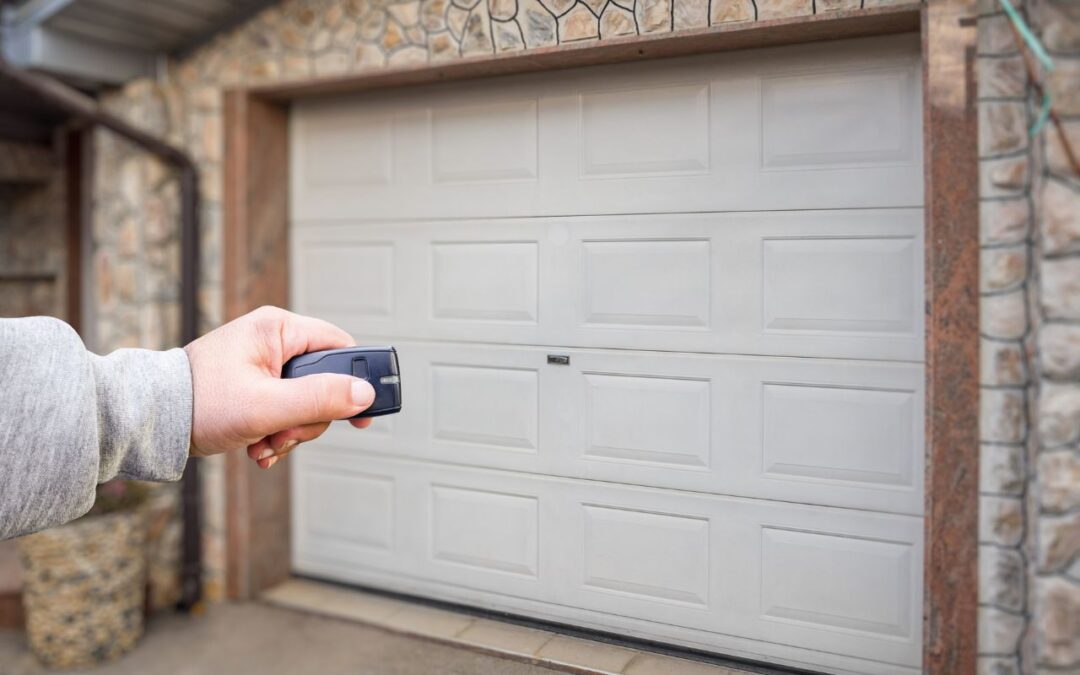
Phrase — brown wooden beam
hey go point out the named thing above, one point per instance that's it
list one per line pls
(256, 274)
(77, 194)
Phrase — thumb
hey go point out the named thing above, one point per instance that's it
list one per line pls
(314, 398)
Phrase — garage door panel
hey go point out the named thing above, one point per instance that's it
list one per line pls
(488, 406)
(623, 416)
(346, 515)
(673, 125)
(641, 554)
(485, 530)
(848, 117)
(485, 281)
(488, 142)
(859, 584)
(825, 283)
(819, 578)
(813, 127)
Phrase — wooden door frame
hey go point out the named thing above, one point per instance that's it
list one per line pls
(257, 263)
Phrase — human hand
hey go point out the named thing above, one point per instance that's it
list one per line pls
(239, 396)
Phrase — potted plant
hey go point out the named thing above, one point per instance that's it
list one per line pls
(84, 583)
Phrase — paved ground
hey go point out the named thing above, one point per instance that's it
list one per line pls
(260, 639)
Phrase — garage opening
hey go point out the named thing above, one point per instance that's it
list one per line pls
(662, 345)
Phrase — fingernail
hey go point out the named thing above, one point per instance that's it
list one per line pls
(272, 462)
(362, 393)
(287, 446)
(265, 453)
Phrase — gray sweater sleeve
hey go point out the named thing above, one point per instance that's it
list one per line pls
(70, 419)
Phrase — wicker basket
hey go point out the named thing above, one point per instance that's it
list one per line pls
(83, 589)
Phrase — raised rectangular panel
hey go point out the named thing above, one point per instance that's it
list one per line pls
(496, 141)
(651, 131)
(833, 284)
(350, 507)
(488, 406)
(347, 150)
(485, 281)
(652, 555)
(839, 433)
(837, 581)
(489, 530)
(648, 282)
(621, 413)
(840, 118)
(348, 276)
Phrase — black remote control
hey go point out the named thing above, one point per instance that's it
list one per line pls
(377, 365)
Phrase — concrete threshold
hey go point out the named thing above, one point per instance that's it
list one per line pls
(533, 645)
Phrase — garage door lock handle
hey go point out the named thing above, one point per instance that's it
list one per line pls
(559, 359)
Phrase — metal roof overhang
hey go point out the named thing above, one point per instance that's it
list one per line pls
(94, 43)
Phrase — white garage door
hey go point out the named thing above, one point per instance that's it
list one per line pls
(661, 339)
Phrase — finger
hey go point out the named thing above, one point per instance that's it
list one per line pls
(313, 398)
(283, 441)
(301, 334)
(260, 449)
(267, 463)
(362, 423)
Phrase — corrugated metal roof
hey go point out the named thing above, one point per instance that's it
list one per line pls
(154, 25)
(83, 38)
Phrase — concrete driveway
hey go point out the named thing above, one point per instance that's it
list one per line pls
(265, 640)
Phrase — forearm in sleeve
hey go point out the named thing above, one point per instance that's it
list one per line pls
(70, 419)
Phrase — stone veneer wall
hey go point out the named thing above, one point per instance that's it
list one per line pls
(1030, 285)
(1029, 229)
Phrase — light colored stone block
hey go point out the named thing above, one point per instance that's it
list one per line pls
(596, 656)
(1002, 127)
(1003, 415)
(655, 664)
(1057, 624)
(1004, 316)
(578, 24)
(428, 621)
(1001, 520)
(504, 637)
(334, 601)
(1003, 268)
(1061, 213)
(691, 14)
(616, 21)
(783, 9)
(1002, 364)
(1002, 578)
(1002, 77)
(1058, 540)
(1059, 414)
(999, 631)
(726, 11)
(1059, 480)
(1001, 469)
(1004, 222)
(653, 16)
(537, 23)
